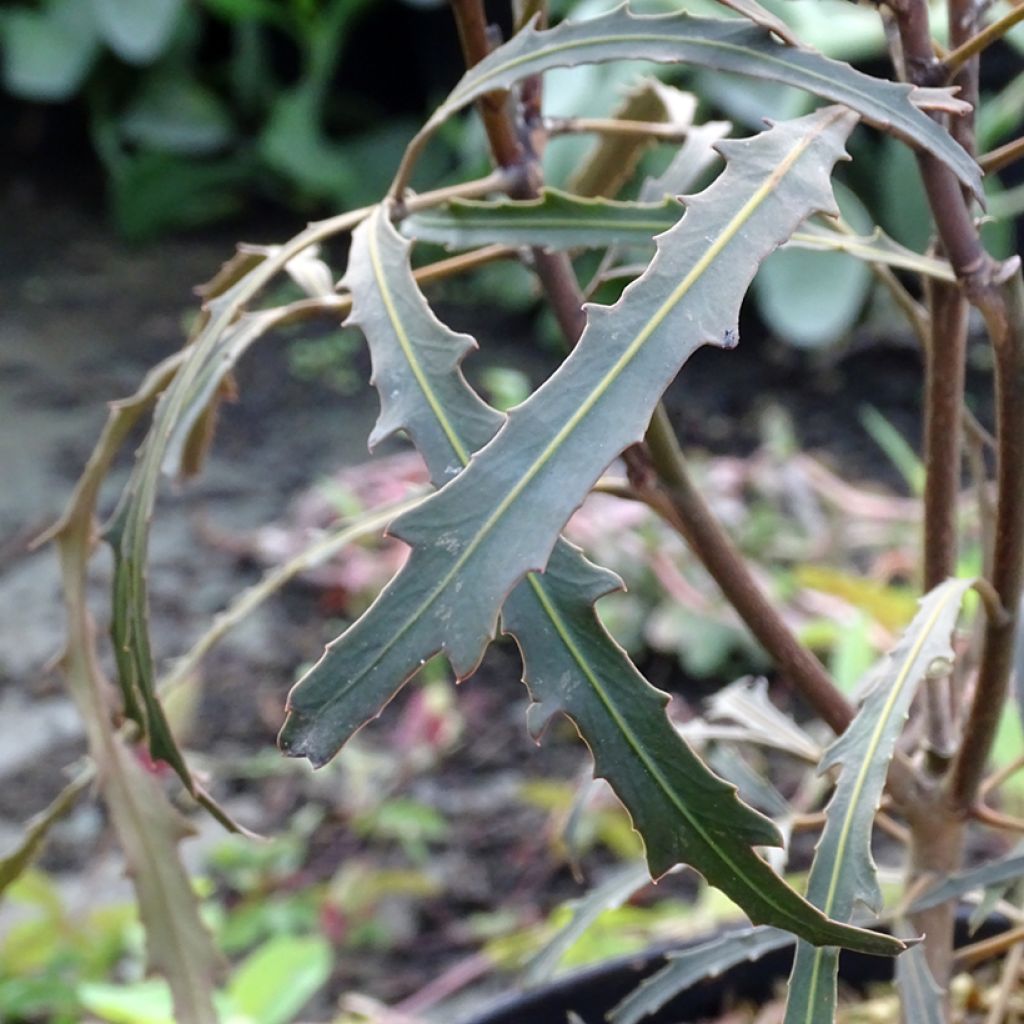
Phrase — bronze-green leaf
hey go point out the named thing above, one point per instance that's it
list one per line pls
(843, 871)
(500, 517)
(721, 44)
(556, 220)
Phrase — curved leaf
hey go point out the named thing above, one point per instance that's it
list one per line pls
(722, 44)
(843, 871)
(1008, 869)
(147, 825)
(690, 966)
(572, 665)
(559, 220)
(500, 517)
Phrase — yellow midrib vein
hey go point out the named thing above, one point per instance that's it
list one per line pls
(543, 599)
(861, 780)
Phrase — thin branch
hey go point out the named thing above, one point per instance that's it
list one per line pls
(689, 513)
(996, 819)
(1002, 156)
(956, 58)
(997, 778)
(979, 952)
(613, 126)
(471, 22)
(1007, 986)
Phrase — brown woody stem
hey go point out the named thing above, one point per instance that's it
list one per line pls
(1005, 321)
(726, 565)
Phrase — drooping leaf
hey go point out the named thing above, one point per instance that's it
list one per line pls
(462, 567)
(13, 863)
(572, 665)
(147, 825)
(619, 886)
(690, 966)
(1007, 869)
(843, 872)
(723, 45)
(224, 336)
(921, 999)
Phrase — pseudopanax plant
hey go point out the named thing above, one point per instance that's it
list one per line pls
(486, 551)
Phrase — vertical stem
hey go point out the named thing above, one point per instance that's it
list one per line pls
(936, 824)
(1006, 327)
(945, 369)
(471, 22)
(726, 565)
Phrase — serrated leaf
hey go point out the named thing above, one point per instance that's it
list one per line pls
(572, 665)
(690, 966)
(619, 886)
(1000, 872)
(556, 220)
(559, 220)
(921, 999)
(148, 827)
(462, 566)
(720, 44)
(843, 872)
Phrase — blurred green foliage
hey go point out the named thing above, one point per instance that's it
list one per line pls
(194, 107)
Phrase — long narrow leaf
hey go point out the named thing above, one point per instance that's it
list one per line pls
(571, 663)
(148, 827)
(479, 540)
(843, 871)
(619, 886)
(723, 45)
(1008, 869)
(689, 966)
(557, 220)
(920, 996)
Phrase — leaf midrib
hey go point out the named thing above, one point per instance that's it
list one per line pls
(734, 225)
(861, 781)
(459, 97)
(450, 431)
